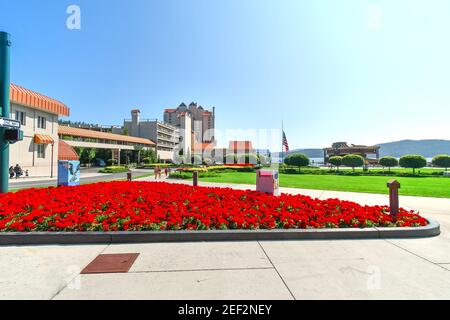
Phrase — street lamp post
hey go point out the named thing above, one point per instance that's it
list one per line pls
(5, 44)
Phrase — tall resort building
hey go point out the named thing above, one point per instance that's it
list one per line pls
(197, 129)
(166, 136)
(202, 121)
(38, 116)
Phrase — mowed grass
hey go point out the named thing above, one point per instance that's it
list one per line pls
(410, 186)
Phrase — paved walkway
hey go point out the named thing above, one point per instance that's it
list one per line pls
(89, 175)
(337, 269)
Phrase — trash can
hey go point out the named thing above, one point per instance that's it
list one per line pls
(68, 173)
(267, 181)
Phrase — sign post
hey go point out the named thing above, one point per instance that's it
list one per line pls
(5, 45)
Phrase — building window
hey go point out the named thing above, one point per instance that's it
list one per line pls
(42, 122)
(21, 117)
(41, 151)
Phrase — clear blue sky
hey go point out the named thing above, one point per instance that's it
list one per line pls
(352, 70)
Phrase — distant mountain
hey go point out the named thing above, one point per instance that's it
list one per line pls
(426, 148)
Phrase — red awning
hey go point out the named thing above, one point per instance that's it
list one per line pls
(43, 139)
(66, 152)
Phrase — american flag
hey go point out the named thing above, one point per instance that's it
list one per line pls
(285, 142)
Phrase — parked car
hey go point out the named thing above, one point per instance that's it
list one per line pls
(99, 163)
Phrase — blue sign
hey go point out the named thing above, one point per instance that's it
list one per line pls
(68, 173)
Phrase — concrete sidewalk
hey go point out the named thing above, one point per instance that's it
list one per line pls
(338, 269)
(44, 179)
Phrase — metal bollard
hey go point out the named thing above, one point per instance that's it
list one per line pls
(195, 178)
(129, 176)
(393, 186)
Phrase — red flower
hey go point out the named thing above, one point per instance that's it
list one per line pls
(136, 206)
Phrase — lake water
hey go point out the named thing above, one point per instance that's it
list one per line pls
(319, 161)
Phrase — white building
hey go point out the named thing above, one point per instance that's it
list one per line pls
(38, 115)
(202, 121)
(166, 136)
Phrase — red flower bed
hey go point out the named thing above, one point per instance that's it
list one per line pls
(134, 206)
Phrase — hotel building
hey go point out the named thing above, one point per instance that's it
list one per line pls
(202, 121)
(165, 136)
(38, 116)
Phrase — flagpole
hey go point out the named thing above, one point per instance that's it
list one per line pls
(282, 137)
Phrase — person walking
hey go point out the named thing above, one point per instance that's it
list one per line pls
(157, 172)
(166, 171)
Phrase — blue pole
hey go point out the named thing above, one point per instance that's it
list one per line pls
(5, 45)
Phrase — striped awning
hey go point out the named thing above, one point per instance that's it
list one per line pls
(66, 152)
(43, 139)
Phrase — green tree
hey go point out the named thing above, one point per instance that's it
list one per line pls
(247, 159)
(297, 160)
(230, 158)
(196, 160)
(388, 162)
(263, 160)
(353, 161)
(442, 160)
(138, 149)
(336, 161)
(125, 131)
(149, 155)
(413, 161)
(87, 155)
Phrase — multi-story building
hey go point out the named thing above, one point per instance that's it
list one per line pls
(166, 136)
(202, 121)
(38, 116)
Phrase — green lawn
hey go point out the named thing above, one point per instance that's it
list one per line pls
(411, 186)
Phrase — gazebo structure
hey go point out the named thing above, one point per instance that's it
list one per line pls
(342, 149)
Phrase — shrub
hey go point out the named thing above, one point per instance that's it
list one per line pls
(112, 162)
(245, 169)
(192, 169)
(247, 159)
(353, 160)
(442, 160)
(114, 169)
(188, 175)
(297, 160)
(208, 161)
(196, 160)
(336, 161)
(413, 161)
(264, 160)
(230, 159)
(388, 162)
(154, 165)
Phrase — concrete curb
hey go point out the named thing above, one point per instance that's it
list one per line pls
(56, 238)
